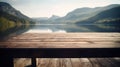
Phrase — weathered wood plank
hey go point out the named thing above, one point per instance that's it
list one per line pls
(65, 62)
(76, 62)
(85, 62)
(66, 40)
(54, 62)
(60, 44)
(43, 62)
(115, 61)
(70, 62)
(48, 35)
(104, 62)
(22, 62)
(94, 62)
(63, 40)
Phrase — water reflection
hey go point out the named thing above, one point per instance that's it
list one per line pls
(101, 28)
(14, 31)
(47, 28)
(75, 28)
(61, 28)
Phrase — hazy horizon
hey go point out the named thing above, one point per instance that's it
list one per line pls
(47, 8)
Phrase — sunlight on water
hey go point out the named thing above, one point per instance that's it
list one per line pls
(46, 31)
(60, 31)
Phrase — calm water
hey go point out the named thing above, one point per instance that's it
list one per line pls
(66, 28)
(61, 28)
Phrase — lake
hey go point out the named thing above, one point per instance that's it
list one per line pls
(57, 28)
(67, 28)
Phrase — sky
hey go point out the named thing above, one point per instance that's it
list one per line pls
(47, 8)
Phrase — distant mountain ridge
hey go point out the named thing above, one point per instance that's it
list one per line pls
(79, 15)
(111, 16)
(53, 17)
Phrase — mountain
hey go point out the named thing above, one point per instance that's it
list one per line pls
(10, 17)
(110, 16)
(38, 19)
(53, 17)
(46, 20)
(78, 15)
(5, 7)
(81, 14)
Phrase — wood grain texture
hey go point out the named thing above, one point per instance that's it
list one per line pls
(63, 40)
(70, 62)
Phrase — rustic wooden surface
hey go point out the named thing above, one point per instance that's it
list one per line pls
(65, 40)
(69, 62)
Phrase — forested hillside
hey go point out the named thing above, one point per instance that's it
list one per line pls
(10, 17)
